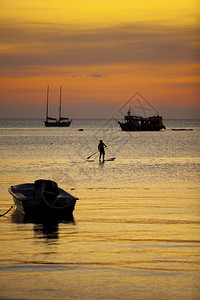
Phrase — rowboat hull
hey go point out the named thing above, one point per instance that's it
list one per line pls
(41, 210)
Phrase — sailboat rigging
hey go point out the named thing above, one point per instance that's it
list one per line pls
(61, 121)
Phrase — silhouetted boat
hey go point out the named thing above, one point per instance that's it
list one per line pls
(137, 123)
(52, 122)
(43, 198)
(182, 129)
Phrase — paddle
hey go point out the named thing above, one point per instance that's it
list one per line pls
(92, 154)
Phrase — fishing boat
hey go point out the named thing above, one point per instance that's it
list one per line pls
(43, 198)
(137, 123)
(52, 122)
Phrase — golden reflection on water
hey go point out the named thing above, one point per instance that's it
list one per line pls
(136, 227)
(136, 247)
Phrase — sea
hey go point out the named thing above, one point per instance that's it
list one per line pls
(135, 231)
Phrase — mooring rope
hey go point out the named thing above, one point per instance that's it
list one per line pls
(7, 211)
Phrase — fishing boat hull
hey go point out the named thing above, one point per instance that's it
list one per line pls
(135, 127)
(38, 202)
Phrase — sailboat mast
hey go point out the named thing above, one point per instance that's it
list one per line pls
(60, 102)
(47, 107)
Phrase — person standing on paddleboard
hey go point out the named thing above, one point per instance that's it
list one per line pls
(101, 147)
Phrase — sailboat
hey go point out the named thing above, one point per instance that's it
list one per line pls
(52, 122)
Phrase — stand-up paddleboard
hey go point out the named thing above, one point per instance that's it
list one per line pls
(110, 159)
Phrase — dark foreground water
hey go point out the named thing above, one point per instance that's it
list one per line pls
(136, 227)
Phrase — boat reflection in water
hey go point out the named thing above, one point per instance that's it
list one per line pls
(47, 228)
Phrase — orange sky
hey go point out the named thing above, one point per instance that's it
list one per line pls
(101, 53)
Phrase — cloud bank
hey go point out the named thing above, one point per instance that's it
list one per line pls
(39, 45)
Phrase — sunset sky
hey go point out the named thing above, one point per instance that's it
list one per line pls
(101, 52)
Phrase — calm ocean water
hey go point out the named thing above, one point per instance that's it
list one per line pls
(136, 227)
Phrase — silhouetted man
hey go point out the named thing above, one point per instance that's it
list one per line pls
(101, 147)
